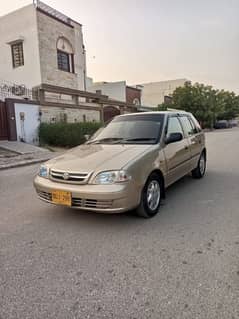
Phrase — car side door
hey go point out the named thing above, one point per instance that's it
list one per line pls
(195, 138)
(177, 154)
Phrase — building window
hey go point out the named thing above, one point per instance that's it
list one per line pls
(136, 101)
(17, 54)
(63, 60)
(63, 117)
(65, 55)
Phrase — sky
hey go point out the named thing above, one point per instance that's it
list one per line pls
(144, 41)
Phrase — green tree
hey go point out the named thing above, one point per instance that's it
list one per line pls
(162, 107)
(231, 105)
(206, 103)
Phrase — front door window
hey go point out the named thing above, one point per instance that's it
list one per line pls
(174, 126)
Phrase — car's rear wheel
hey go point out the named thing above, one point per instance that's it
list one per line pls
(200, 170)
(150, 197)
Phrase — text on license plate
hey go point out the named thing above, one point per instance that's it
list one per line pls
(61, 197)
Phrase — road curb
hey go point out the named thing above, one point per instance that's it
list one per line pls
(24, 163)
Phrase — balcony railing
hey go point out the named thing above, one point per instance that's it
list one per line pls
(13, 90)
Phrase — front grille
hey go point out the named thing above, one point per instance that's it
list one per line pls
(92, 203)
(80, 202)
(69, 177)
(44, 195)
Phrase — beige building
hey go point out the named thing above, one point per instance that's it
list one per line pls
(154, 93)
(116, 90)
(43, 75)
(41, 45)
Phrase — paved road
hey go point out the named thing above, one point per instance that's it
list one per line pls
(184, 263)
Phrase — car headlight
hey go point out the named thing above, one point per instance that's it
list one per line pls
(43, 171)
(111, 177)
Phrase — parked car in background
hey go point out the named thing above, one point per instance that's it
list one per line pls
(233, 123)
(127, 165)
(221, 124)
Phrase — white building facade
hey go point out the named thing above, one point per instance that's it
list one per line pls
(154, 93)
(115, 90)
(119, 91)
(41, 45)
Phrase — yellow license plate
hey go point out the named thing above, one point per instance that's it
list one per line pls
(61, 197)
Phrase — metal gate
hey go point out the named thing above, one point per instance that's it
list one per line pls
(3, 122)
(110, 112)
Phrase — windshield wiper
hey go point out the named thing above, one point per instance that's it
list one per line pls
(108, 139)
(117, 140)
(136, 139)
(140, 139)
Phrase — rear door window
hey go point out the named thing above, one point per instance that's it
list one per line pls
(188, 127)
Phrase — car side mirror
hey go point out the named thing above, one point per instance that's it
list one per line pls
(174, 137)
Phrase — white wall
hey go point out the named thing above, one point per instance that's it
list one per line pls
(20, 23)
(153, 93)
(27, 129)
(115, 90)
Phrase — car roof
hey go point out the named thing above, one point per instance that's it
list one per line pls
(176, 112)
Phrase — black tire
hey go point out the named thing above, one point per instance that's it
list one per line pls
(200, 170)
(146, 209)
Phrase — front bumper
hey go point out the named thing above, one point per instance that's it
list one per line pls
(116, 198)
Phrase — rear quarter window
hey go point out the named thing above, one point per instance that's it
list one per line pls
(195, 123)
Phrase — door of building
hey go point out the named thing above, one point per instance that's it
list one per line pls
(3, 122)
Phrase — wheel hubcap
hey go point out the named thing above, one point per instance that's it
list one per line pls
(202, 165)
(153, 195)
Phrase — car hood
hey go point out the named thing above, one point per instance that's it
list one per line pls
(89, 158)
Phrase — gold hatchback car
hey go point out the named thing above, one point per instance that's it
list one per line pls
(126, 165)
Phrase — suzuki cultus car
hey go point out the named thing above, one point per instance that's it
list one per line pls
(127, 165)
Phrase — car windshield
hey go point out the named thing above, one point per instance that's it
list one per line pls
(131, 129)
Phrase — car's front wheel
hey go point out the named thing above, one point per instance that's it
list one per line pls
(150, 197)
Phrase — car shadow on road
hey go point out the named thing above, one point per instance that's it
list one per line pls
(183, 201)
(175, 195)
